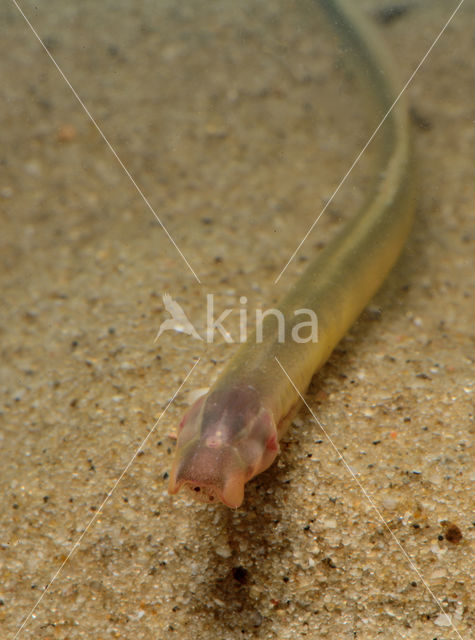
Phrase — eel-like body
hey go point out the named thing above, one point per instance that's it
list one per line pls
(233, 433)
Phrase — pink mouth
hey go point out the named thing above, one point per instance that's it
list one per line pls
(209, 476)
(231, 496)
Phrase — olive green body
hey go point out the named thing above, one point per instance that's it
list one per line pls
(336, 285)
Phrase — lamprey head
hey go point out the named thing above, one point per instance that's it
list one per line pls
(226, 438)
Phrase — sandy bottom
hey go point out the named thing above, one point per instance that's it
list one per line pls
(237, 121)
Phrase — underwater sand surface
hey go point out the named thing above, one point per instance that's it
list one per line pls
(237, 121)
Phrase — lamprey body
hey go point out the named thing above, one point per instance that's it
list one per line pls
(232, 433)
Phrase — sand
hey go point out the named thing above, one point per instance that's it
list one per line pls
(237, 121)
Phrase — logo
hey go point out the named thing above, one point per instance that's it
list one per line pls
(306, 330)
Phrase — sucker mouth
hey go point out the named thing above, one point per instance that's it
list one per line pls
(201, 493)
(231, 495)
(210, 476)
